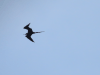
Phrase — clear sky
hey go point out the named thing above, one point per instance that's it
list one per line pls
(70, 44)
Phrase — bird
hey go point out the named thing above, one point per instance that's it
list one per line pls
(30, 32)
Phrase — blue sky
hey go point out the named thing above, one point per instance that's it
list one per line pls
(70, 44)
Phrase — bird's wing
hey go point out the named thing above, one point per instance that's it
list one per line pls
(26, 27)
(30, 38)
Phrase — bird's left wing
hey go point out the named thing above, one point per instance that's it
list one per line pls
(26, 27)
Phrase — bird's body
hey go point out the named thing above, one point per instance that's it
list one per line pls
(30, 32)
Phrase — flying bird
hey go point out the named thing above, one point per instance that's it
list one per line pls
(30, 32)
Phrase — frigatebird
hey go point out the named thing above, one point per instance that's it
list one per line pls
(30, 32)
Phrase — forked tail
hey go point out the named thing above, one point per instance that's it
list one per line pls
(39, 32)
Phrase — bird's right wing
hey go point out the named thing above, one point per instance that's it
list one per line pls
(30, 38)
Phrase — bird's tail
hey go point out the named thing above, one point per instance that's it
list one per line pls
(25, 34)
(38, 32)
(42, 31)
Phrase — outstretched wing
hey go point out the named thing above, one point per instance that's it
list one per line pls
(29, 29)
(26, 27)
(29, 37)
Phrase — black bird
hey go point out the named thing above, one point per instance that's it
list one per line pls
(30, 32)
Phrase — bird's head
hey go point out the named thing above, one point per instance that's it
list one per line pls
(25, 34)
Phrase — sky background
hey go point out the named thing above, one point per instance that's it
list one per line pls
(70, 44)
